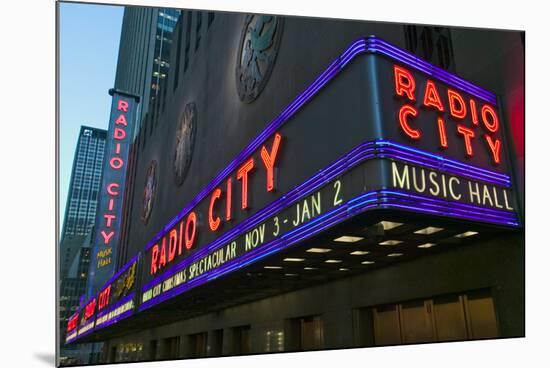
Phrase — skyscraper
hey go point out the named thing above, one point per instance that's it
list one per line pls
(143, 59)
(78, 224)
(81, 204)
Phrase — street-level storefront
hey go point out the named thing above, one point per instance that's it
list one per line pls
(377, 207)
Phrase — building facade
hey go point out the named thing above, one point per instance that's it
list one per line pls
(144, 52)
(316, 184)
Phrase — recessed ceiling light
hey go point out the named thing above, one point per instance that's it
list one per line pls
(333, 261)
(395, 254)
(293, 259)
(343, 269)
(367, 262)
(466, 234)
(273, 267)
(318, 250)
(291, 274)
(391, 242)
(348, 239)
(310, 268)
(429, 230)
(427, 245)
(359, 253)
(388, 225)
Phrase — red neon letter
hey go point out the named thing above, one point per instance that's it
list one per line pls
(214, 223)
(269, 160)
(492, 126)
(189, 239)
(107, 237)
(162, 258)
(495, 148)
(122, 106)
(242, 174)
(180, 243)
(116, 163)
(442, 133)
(110, 189)
(119, 134)
(109, 219)
(454, 98)
(473, 108)
(121, 120)
(431, 96)
(403, 113)
(228, 199)
(468, 135)
(404, 82)
(172, 244)
(154, 258)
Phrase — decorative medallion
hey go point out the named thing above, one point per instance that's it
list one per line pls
(184, 142)
(149, 191)
(258, 49)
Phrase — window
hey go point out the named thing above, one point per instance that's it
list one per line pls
(241, 340)
(197, 345)
(170, 348)
(216, 347)
(442, 318)
(304, 333)
(187, 40)
(433, 44)
(198, 25)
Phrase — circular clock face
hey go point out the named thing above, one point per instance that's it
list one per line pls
(149, 191)
(260, 39)
(184, 142)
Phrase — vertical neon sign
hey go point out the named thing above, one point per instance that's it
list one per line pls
(111, 195)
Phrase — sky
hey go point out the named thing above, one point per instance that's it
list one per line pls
(89, 36)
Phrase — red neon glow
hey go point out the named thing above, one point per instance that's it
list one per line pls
(191, 221)
(442, 133)
(109, 219)
(110, 189)
(181, 240)
(269, 160)
(162, 258)
(121, 120)
(405, 111)
(71, 325)
(119, 134)
(454, 99)
(468, 135)
(111, 204)
(495, 148)
(229, 194)
(103, 299)
(116, 163)
(242, 175)
(473, 109)
(89, 310)
(492, 125)
(107, 237)
(214, 223)
(154, 258)
(431, 96)
(172, 244)
(122, 105)
(404, 82)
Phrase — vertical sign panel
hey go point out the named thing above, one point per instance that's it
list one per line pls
(111, 196)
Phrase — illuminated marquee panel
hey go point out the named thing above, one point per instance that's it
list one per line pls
(72, 328)
(419, 183)
(111, 196)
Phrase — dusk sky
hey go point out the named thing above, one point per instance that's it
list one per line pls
(88, 52)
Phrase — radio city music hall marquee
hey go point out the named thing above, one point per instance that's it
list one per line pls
(422, 140)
